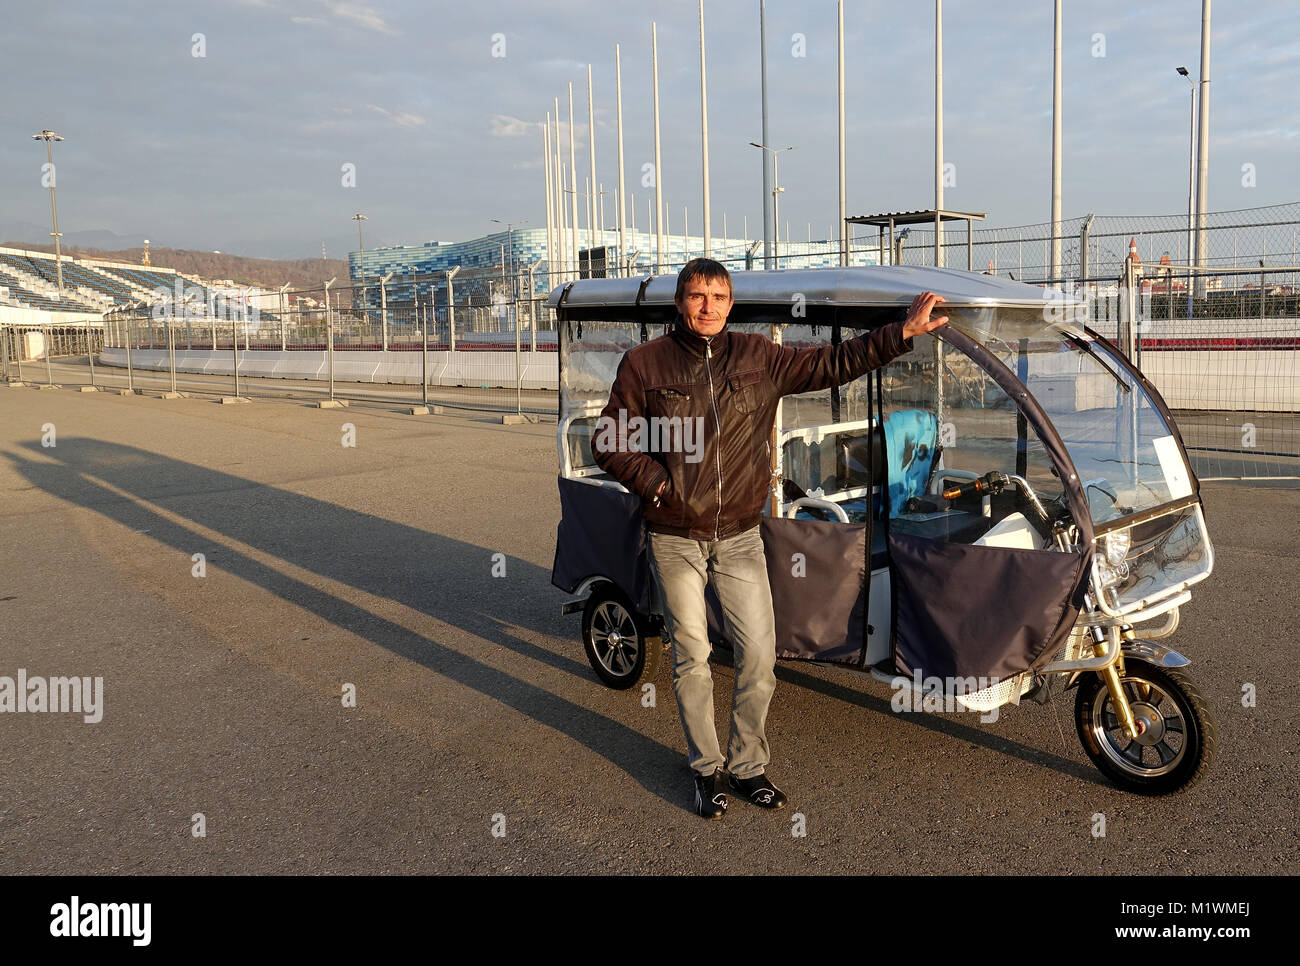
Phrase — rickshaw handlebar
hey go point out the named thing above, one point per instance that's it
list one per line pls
(993, 482)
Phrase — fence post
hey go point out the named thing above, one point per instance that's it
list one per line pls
(1084, 255)
(383, 310)
(1261, 291)
(519, 371)
(424, 349)
(532, 306)
(130, 372)
(329, 336)
(234, 346)
(171, 357)
(451, 311)
(90, 352)
(1129, 310)
(284, 344)
(49, 348)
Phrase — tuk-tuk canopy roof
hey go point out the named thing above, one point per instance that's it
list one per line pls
(867, 285)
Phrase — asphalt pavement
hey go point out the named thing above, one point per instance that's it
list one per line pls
(412, 571)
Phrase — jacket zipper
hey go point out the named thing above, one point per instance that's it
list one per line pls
(717, 448)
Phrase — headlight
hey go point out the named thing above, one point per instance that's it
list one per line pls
(1116, 546)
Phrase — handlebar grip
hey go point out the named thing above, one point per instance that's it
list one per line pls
(988, 483)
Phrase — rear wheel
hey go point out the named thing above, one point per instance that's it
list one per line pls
(618, 640)
(1177, 736)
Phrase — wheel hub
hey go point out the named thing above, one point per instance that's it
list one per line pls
(1151, 724)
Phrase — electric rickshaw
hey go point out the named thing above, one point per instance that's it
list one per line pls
(1007, 505)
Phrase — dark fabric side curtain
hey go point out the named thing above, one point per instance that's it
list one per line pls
(818, 574)
(963, 610)
(601, 533)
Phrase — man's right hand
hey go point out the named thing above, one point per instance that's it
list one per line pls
(918, 316)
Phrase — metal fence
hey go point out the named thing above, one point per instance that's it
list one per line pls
(484, 351)
(27, 351)
(1221, 343)
(1222, 347)
(1096, 247)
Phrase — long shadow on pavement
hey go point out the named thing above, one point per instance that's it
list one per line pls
(430, 573)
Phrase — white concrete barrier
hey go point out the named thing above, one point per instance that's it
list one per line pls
(477, 369)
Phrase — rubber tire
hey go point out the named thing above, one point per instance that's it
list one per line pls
(608, 601)
(1199, 736)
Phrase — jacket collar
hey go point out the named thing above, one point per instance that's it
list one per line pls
(696, 344)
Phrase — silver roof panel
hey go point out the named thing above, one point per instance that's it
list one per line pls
(864, 285)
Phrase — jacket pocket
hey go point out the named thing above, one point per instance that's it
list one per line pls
(668, 400)
(746, 390)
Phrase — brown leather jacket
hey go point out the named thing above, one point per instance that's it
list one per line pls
(715, 403)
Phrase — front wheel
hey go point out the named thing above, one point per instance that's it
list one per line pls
(618, 640)
(1177, 740)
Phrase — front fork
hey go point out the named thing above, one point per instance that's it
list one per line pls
(1112, 673)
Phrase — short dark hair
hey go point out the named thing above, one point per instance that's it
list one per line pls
(705, 268)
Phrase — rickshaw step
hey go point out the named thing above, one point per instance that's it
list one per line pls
(573, 606)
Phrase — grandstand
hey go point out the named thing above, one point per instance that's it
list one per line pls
(29, 280)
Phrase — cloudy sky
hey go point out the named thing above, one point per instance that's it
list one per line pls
(243, 149)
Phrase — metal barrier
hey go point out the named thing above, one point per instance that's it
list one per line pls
(481, 353)
(26, 351)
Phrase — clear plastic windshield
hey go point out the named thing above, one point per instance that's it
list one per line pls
(1126, 455)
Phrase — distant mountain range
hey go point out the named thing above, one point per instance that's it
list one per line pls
(270, 273)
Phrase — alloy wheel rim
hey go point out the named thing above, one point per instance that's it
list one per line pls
(615, 637)
(1163, 742)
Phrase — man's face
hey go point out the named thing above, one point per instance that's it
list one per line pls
(704, 305)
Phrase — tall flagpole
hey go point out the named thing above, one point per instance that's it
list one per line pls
(844, 241)
(1054, 269)
(562, 248)
(938, 132)
(1203, 151)
(622, 218)
(704, 134)
(767, 183)
(573, 187)
(550, 197)
(659, 181)
(591, 144)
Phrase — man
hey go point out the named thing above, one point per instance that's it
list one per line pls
(702, 503)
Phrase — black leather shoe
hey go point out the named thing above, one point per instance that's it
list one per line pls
(757, 791)
(710, 799)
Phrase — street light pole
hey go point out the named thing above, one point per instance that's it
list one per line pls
(48, 137)
(510, 244)
(776, 191)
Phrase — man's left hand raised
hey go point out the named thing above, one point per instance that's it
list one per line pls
(918, 316)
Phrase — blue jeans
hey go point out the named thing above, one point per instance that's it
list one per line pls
(737, 569)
